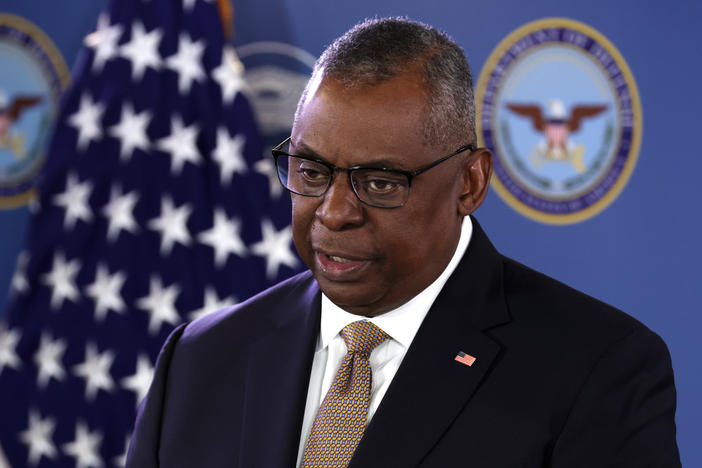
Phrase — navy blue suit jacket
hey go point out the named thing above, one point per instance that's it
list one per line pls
(560, 380)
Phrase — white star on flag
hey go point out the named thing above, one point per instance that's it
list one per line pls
(229, 75)
(223, 237)
(172, 225)
(131, 131)
(19, 281)
(212, 304)
(105, 291)
(87, 120)
(275, 246)
(8, 343)
(62, 280)
(119, 212)
(267, 168)
(180, 145)
(75, 201)
(38, 438)
(95, 370)
(187, 62)
(160, 304)
(104, 41)
(142, 50)
(48, 360)
(189, 4)
(85, 448)
(140, 381)
(229, 154)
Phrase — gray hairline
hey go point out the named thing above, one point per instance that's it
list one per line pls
(449, 123)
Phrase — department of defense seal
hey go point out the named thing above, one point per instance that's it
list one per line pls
(33, 76)
(560, 110)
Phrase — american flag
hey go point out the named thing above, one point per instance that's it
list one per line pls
(465, 358)
(156, 207)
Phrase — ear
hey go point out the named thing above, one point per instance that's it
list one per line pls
(477, 171)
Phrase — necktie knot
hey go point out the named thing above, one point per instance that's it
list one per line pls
(362, 337)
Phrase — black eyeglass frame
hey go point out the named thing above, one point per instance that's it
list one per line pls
(277, 151)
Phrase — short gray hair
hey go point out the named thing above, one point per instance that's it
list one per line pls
(377, 50)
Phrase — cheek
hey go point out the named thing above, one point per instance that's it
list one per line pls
(427, 238)
(403, 246)
(409, 252)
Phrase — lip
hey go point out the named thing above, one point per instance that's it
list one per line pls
(349, 270)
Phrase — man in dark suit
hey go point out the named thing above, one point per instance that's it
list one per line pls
(479, 361)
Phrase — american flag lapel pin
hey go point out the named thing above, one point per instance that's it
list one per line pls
(465, 358)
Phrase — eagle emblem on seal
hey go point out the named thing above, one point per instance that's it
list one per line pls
(10, 112)
(557, 127)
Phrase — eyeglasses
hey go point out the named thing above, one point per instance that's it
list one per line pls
(379, 187)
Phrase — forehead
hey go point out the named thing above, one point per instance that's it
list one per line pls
(360, 124)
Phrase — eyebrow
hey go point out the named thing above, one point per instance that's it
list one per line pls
(303, 149)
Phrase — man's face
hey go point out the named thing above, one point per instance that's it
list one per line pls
(370, 260)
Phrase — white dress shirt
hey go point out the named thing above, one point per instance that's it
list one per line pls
(401, 324)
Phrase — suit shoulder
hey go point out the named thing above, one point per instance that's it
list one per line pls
(253, 316)
(535, 297)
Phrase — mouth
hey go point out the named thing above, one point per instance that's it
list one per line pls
(339, 259)
(340, 266)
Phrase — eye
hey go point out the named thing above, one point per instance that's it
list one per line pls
(312, 172)
(376, 183)
(381, 185)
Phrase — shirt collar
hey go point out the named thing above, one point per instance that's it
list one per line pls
(403, 322)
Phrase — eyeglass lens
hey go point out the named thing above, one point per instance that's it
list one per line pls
(372, 186)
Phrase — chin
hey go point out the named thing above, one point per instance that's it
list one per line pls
(353, 298)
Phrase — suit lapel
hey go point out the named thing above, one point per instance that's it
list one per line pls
(276, 384)
(430, 388)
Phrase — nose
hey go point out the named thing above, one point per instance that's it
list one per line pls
(340, 208)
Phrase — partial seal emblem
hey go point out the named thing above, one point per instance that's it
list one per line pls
(276, 74)
(34, 75)
(559, 108)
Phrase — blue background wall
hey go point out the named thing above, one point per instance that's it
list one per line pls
(642, 254)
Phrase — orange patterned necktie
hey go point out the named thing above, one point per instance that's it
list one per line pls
(341, 418)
